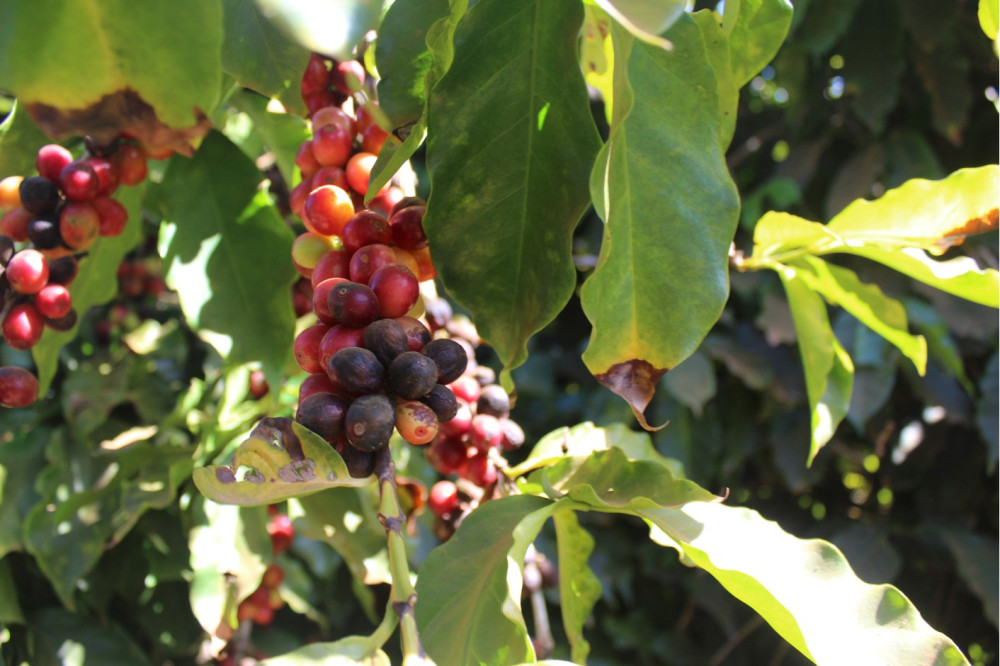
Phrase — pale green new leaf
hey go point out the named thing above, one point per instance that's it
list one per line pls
(805, 589)
(989, 17)
(280, 459)
(469, 588)
(929, 214)
(883, 314)
(579, 588)
(827, 367)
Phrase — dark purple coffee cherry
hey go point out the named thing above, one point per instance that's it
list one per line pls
(411, 376)
(357, 370)
(44, 234)
(64, 323)
(324, 414)
(38, 195)
(62, 270)
(359, 463)
(386, 339)
(442, 401)
(370, 421)
(449, 357)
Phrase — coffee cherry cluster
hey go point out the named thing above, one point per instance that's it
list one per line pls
(263, 602)
(48, 222)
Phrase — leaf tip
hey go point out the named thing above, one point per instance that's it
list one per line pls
(635, 381)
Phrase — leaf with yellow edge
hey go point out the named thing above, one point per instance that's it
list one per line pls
(933, 215)
(280, 459)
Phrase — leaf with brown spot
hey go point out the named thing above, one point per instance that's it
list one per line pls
(280, 459)
(72, 55)
(635, 381)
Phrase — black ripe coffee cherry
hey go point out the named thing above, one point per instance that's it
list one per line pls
(442, 401)
(369, 423)
(324, 414)
(359, 463)
(449, 357)
(38, 195)
(411, 376)
(357, 369)
(493, 400)
(62, 270)
(44, 233)
(386, 339)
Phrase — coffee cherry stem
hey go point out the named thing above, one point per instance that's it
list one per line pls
(403, 595)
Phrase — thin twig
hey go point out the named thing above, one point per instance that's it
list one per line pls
(734, 640)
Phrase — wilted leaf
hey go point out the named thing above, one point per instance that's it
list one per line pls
(280, 459)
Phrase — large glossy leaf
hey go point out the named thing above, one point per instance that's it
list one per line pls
(96, 283)
(883, 314)
(579, 588)
(260, 56)
(403, 58)
(280, 459)
(20, 140)
(469, 589)
(331, 28)
(226, 252)
(929, 214)
(756, 29)
(70, 55)
(670, 209)
(282, 133)
(350, 651)
(804, 589)
(828, 368)
(510, 142)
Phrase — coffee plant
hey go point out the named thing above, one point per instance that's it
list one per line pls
(499, 332)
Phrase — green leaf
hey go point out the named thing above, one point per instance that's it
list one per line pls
(22, 459)
(20, 140)
(584, 439)
(692, 383)
(874, 62)
(63, 638)
(827, 366)
(510, 141)
(579, 588)
(345, 652)
(230, 550)
(392, 157)
(609, 479)
(986, 413)
(804, 589)
(226, 252)
(940, 344)
(261, 57)
(469, 588)
(71, 55)
(755, 34)
(403, 58)
(824, 24)
(96, 283)
(280, 459)
(282, 133)
(645, 19)
(346, 518)
(10, 607)
(989, 17)
(670, 209)
(928, 214)
(883, 314)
